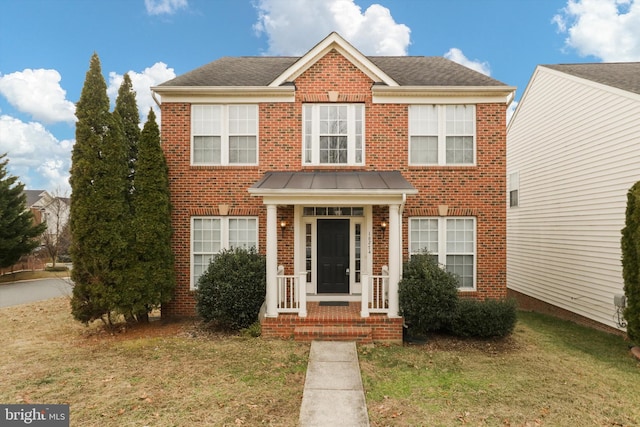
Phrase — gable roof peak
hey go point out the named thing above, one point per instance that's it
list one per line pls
(334, 41)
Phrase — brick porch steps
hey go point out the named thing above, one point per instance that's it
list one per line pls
(334, 323)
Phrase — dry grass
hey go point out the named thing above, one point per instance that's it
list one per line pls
(548, 373)
(157, 375)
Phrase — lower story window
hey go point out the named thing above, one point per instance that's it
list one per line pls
(210, 235)
(451, 241)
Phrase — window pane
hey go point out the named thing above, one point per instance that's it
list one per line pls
(462, 267)
(333, 149)
(242, 149)
(424, 149)
(206, 149)
(460, 236)
(460, 119)
(424, 235)
(423, 120)
(242, 119)
(459, 149)
(206, 119)
(243, 233)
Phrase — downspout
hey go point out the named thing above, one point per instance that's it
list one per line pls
(401, 213)
(153, 95)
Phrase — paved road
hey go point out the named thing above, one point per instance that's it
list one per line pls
(33, 290)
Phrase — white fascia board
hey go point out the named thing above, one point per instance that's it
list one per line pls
(443, 94)
(226, 94)
(331, 198)
(334, 41)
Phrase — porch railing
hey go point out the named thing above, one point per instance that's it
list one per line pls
(292, 293)
(375, 293)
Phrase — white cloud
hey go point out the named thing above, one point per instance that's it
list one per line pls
(456, 55)
(606, 29)
(164, 7)
(35, 156)
(39, 94)
(142, 82)
(293, 27)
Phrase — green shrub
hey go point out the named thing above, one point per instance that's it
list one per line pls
(253, 331)
(57, 268)
(428, 294)
(484, 319)
(232, 289)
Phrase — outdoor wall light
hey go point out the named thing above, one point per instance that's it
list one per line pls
(383, 225)
(283, 224)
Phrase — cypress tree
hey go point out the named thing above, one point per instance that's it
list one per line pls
(18, 233)
(630, 244)
(99, 213)
(152, 276)
(127, 108)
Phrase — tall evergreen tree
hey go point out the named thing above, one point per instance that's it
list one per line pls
(127, 107)
(99, 213)
(152, 276)
(18, 233)
(630, 244)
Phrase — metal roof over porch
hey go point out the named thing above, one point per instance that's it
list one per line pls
(363, 183)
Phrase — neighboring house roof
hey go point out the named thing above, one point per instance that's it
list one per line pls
(621, 75)
(33, 196)
(262, 70)
(385, 181)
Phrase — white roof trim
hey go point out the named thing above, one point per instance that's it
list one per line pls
(334, 41)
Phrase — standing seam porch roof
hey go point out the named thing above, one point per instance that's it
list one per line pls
(362, 182)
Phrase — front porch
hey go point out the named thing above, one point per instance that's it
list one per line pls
(326, 321)
(364, 321)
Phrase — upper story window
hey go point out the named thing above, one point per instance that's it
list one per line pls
(333, 134)
(224, 134)
(442, 134)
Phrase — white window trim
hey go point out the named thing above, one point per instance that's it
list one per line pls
(442, 137)
(514, 185)
(224, 137)
(224, 236)
(315, 134)
(442, 244)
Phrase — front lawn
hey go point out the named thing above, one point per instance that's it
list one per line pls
(548, 373)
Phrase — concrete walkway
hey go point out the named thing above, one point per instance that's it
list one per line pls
(333, 393)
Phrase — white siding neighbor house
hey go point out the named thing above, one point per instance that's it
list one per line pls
(573, 151)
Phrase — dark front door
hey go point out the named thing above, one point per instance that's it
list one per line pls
(333, 256)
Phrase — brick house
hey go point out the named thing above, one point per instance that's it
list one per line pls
(337, 166)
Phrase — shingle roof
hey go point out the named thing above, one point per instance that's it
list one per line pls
(621, 75)
(262, 70)
(32, 196)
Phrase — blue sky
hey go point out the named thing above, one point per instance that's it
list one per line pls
(45, 47)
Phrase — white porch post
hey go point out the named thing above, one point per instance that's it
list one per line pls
(395, 235)
(272, 261)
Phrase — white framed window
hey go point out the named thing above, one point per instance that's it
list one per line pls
(333, 134)
(210, 235)
(514, 189)
(224, 134)
(451, 240)
(442, 134)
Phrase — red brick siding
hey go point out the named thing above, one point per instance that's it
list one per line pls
(474, 191)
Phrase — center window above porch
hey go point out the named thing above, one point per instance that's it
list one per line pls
(333, 134)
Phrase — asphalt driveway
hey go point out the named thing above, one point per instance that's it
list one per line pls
(27, 291)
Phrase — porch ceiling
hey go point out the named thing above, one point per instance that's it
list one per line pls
(333, 184)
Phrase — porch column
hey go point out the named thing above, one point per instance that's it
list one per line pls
(272, 261)
(395, 234)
